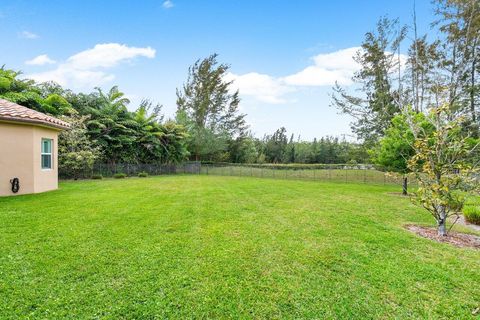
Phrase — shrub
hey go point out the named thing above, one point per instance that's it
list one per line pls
(97, 177)
(142, 174)
(119, 175)
(472, 214)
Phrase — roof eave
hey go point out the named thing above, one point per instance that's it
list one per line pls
(35, 123)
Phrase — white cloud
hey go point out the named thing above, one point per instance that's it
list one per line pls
(40, 60)
(87, 68)
(260, 86)
(107, 55)
(167, 4)
(327, 69)
(28, 35)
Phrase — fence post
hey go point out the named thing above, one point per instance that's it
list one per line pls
(364, 175)
(346, 175)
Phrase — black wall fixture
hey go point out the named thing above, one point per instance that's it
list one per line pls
(15, 185)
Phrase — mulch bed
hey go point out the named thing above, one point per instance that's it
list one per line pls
(457, 239)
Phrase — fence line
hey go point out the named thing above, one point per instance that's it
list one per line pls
(108, 170)
(346, 173)
(334, 173)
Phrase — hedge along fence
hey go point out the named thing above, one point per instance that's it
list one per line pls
(109, 170)
(348, 173)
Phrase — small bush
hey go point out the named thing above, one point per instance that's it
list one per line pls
(119, 175)
(97, 177)
(142, 174)
(472, 214)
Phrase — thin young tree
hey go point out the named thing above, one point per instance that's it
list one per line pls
(441, 165)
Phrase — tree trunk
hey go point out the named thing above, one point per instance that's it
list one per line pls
(405, 186)
(442, 223)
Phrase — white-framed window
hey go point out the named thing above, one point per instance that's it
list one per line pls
(47, 154)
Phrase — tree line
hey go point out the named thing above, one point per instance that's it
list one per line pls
(207, 125)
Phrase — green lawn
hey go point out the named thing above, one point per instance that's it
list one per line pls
(226, 247)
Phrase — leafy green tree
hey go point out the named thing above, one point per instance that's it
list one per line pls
(396, 147)
(76, 152)
(440, 165)
(204, 143)
(28, 94)
(276, 145)
(208, 108)
(59, 104)
(148, 132)
(112, 127)
(243, 149)
(157, 142)
(174, 142)
(291, 151)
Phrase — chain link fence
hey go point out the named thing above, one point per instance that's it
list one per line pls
(109, 170)
(347, 173)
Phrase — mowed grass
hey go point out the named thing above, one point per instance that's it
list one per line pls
(226, 247)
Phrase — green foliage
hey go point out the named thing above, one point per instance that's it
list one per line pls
(112, 126)
(275, 149)
(396, 146)
(76, 152)
(208, 110)
(28, 94)
(97, 177)
(243, 149)
(276, 146)
(119, 175)
(142, 174)
(440, 165)
(103, 129)
(58, 103)
(5, 84)
(472, 213)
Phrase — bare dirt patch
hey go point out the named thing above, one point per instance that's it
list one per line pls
(457, 239)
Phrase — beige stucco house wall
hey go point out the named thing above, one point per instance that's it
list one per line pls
(21, 135)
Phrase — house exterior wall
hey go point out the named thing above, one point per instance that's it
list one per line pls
(20, 155)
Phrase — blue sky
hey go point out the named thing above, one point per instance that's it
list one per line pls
(284, 55)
